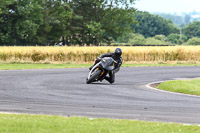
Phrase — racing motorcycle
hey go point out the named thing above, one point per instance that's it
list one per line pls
(101, 69)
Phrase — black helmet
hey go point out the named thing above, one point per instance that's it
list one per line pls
(118, 52)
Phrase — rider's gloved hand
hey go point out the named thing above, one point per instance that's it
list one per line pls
(98, 59)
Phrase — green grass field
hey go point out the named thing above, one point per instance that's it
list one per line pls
(15, 66)
(182, 86)
(13, 123)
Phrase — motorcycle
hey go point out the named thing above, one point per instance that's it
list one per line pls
(101, 69)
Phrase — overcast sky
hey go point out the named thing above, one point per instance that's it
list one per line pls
(168, 6)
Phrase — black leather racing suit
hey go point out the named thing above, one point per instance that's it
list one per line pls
(119, 61)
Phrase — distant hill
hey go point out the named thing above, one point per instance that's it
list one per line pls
(181, 19)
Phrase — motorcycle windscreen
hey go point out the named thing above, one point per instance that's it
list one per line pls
(107, 63)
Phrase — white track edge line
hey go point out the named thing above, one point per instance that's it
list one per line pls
(158, 82)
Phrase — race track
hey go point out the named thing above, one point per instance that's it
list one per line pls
(64, 92)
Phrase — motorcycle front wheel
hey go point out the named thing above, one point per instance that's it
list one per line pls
(93, 76)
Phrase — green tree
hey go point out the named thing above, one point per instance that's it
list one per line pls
(29, 18)
(176, 39)
(56, 17)
(20, 21)
(85, 26)
(150, 25)
(118, 22)
(192, 30)
(103, 20)
(5, 16)
(45, 22)
(125, 38)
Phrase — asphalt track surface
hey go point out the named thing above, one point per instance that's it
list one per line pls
(64, 92)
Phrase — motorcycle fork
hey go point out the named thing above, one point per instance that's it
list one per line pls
(103, 74)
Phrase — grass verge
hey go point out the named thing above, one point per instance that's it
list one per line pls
(157, 65)
(40, 66)
(182, 86)
(14, 123)
(16, 66)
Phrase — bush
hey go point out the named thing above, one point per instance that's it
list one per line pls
(194, 41)
(121, 44)
(137, 39)
(160, 37)
(140, 39)
(154, 41)
(175, 38)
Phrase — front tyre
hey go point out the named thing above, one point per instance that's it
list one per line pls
(93, 77)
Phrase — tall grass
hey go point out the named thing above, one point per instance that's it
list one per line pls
(89, 54)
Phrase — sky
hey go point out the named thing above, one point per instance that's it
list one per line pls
(168, 6)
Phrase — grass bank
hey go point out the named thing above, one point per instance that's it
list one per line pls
(18, 66)
(12, 123)
(182, 86)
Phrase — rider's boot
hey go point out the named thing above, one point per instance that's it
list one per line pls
(109, 80)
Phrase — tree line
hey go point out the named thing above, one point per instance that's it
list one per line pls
(86, 22)
(45, 22)
(154, 29)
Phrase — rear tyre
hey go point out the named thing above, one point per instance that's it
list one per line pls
(93, 77)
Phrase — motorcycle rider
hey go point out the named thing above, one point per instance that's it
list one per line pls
(116, 55)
